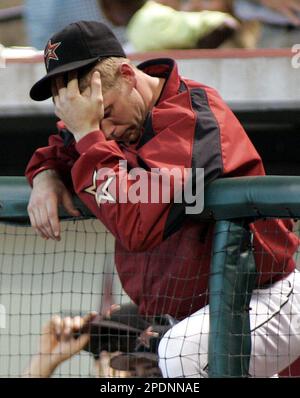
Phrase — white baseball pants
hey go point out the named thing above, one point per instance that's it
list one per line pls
(275, 328)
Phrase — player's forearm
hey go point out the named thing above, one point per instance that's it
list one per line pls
(44, 174)
(41, 366)
(59, 155)
(40, 163)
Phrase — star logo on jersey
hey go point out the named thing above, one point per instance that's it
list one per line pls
(101, 192)
(50, 52)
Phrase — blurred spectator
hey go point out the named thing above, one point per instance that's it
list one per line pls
(110, 342)
(58, 344)
(279, 12)
(266, 23)
(280, 20)
(154, 26)
(247, 34)
(271, 11)
(46, 17)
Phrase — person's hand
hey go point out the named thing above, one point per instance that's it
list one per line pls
(57, 344)
(288, 8)
(47, 194)
(58, 339)
(146, 335)
(81, 112)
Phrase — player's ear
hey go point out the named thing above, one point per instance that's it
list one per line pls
(127, 72)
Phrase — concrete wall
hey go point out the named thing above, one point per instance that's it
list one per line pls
(244, 78)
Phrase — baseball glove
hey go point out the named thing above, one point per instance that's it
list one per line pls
(136, 337)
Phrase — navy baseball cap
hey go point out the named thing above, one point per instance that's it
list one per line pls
(78, 45)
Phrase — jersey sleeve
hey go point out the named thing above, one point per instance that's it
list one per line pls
(60, 155)
(106, 184)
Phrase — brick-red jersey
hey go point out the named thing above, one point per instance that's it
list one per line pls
(162, 257)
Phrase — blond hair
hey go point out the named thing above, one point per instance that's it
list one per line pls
(109, 71)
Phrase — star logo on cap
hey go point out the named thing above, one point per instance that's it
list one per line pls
(50, 52)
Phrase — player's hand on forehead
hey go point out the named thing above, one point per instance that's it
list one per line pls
(66, 84)
(81, 112)
(69, 84)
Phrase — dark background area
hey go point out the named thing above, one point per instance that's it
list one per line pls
(274, 133)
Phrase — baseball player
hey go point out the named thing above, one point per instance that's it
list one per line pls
(152, 117)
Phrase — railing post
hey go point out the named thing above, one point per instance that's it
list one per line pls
(232, 280)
